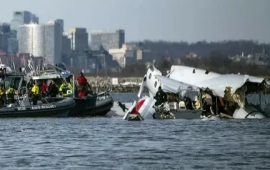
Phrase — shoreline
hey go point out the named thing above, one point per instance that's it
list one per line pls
(114, 84)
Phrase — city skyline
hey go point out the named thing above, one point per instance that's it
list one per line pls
(172, 20)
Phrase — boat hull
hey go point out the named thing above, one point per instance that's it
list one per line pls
(91, 107)
(187, 114)
(59, 108)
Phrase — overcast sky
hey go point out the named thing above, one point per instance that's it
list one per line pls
(171, 20)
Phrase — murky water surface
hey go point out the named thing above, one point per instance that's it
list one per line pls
(112, 143)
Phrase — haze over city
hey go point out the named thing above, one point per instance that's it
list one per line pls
(169, 20)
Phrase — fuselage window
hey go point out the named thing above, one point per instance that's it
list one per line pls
(150, 75)
(144, 79)
(155, 84)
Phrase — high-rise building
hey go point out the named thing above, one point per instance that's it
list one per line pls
(66, 44)
(4, 35)
(61, 21)
(12, 42)
(19, 18)
(4, 28)
(41, 41)
(34, 19)
(107, 39)
(22, 17)
(79, 39)
(4, 41)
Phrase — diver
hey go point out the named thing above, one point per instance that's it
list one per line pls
(10, 93)
(35, 93)
(53, 90)
(64, 89)
(161, 97)
(123, 106)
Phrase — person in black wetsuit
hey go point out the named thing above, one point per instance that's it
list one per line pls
(161, 96)
(53, 90)
(188, 103)
(122, 106)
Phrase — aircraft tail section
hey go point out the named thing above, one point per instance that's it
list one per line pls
(144, 108)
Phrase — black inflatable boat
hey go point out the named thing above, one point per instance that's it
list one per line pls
(47, 107)
(98, 105)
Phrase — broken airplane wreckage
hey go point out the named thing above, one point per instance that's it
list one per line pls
(199, 94)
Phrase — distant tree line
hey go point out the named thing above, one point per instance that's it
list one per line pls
(214, 56)
(160, 49)
(215, 62)
(220, 63)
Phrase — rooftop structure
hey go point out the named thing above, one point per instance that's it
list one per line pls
(108, 39)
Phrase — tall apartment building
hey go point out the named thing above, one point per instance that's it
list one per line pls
(107, 39)
(44, 40)
(22, 17)
(19, 18)
(78, 39)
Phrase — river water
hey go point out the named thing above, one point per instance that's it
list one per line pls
(112, 143)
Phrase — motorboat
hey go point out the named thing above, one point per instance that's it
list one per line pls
(23, 107)
(90, 105)
(50, 107)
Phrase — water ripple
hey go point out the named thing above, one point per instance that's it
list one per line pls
(105, 143)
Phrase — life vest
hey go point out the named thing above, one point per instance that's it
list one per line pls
(65, 88)
(35, 90)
